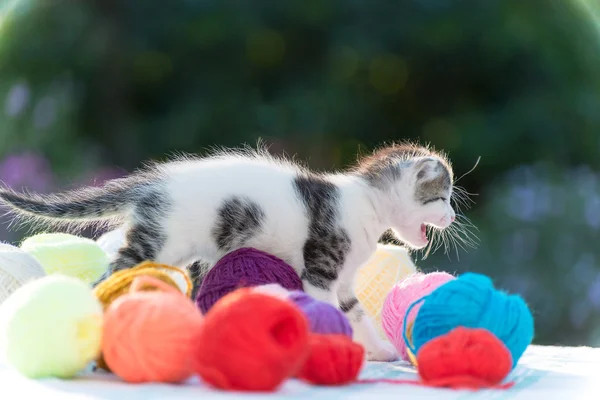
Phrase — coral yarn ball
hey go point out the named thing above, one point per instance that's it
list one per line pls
(399, 300)
(464, 358)
(333, 360)
(149, 336)
(322, 317)
(471, 301)
(246, 267)
(251, 341)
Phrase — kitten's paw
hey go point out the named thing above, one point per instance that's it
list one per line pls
(381, 351)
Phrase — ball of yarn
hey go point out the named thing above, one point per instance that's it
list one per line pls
(251, 342)
(17, 267)
(472, 301)
(464, 358)
(119, 284)
(68, 254)
(398, 300)
(149, 335)
(245, 267)
(322, 317)
(387, 266)
(333, 360)
(51, 327)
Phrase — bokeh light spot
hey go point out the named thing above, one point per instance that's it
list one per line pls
(442, 131)
(265, 48)
(17, 99)
(344, 63)
(44, 113)
(152, 66)
(388, 73)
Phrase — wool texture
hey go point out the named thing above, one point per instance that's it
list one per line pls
(464, 358)
(246, 267)
(471, 301)
(322, 317)
(50, 328)
(374, 280)
(333, 360)
(119, 284)
(400, 298)
(251, 341)
(17, 267)
(149, 335)
(67, 254)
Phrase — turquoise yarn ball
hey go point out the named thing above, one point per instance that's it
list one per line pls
(472, 301)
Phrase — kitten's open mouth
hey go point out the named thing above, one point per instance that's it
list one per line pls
(424, 233)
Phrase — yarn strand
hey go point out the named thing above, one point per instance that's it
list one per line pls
(188, 282)
(410, 346)
(140, 281)
(454, 382)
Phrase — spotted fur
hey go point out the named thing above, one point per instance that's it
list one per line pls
(191, 211)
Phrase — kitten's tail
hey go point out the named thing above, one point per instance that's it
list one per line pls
(76, 207)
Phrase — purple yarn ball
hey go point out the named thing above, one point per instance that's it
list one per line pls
(322, 317)
(246, 267)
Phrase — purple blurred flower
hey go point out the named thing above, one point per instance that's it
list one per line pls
(26, 170)
(102, 175)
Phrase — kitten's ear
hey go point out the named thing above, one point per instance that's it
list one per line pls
(427, 169)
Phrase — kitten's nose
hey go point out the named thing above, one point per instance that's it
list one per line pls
(452, 218)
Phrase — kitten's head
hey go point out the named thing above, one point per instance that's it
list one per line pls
(418, 183)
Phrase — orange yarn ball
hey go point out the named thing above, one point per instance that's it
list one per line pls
(119, 284)
(149, 336)
(333, 360)
(251, 341)
(464, 358)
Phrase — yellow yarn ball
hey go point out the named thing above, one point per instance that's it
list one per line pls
(120, 282)
(68, 254)
(376, 278)
(51, 327)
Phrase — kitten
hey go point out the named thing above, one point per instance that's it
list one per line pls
(324, 225)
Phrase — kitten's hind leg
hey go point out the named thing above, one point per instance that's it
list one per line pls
(142, 242)
(363, 329)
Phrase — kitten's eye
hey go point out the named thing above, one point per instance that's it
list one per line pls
(435, 199)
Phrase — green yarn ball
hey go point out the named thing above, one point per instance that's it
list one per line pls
(51, 327)
(67, 254)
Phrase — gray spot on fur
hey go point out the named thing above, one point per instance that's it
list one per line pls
(436, 187)
(327, 244)
(238, 220)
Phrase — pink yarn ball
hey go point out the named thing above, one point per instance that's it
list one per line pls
(402, 295)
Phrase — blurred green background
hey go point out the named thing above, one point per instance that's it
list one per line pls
(91, 89)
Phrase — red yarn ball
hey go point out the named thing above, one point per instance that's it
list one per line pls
(464, 358)
(251, 341)
(333, 360)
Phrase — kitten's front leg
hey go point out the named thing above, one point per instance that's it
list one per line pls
(364, 331)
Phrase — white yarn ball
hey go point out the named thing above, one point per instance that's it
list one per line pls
(17, 267)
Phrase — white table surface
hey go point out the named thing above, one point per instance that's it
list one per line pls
(544, 373)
